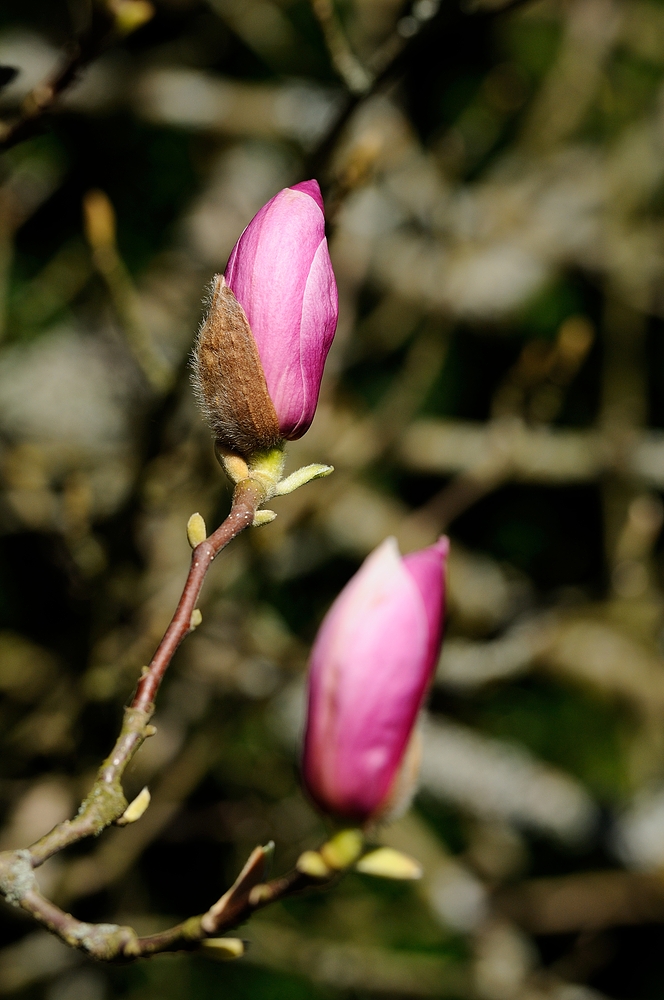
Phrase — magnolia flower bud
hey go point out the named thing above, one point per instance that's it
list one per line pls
(260, 353)
(370, 669)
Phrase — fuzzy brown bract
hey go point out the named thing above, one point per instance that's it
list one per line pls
(228, 377)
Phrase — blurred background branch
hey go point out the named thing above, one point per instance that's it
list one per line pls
(495, 199)
(104, 20)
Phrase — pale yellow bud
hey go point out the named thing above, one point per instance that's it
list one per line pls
(196, 618)
(233, 464)
(263, 517)
(261, 893)
(136, 808)
(98, 220)
(388, 863)
(302, 476)
(343, 849)
(132, 14)
(225, 949)
(311, 863)
(196, 530)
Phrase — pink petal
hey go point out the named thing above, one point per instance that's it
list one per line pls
(320, 306)
(311, 188)
(427, 568)
(369, 674)
(281, 274)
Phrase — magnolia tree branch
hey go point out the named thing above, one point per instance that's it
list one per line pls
(106, 802)
(115, 943)
(248, 496)
(348, 66)
(109, 20)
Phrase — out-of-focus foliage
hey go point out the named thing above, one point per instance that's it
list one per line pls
(497, 230)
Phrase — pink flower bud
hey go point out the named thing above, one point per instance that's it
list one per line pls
(370, 669)
(281, 274)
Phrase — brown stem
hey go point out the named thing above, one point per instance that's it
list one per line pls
(248, 496)
(348, 66)
(115, 943)
(100, 32)
(106, 801)
(190, 933)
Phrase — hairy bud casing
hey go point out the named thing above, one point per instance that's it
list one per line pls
(228, 377)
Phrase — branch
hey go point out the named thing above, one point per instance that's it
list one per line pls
(116, 943)
(100, 230)
(106, 802)
(109, 20)
(388, 63)
(348, 66)
(248, 496)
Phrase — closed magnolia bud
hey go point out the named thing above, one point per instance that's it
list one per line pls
(260, 353)
(370, 669)
(228, 378)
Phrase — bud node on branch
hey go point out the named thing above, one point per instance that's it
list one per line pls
(17, 878)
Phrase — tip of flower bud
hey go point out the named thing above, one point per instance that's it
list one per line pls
(312, 188)
(385, 862)
(196, 530)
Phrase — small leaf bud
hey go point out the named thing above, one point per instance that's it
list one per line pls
(233, 464)
(343, 849)
(132, 14)
(225, 949)
(196, 530)
(263, 517)
(196, 618)
(261, 893)
(302, 476)
(136, 808)
(312, 864)
(385, 862)
(98, 220)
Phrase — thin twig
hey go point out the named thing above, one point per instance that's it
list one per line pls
(41, 98)
(106, 802)
(386, 64)
(100, 229)
(490, 9)
(109, 20)
(116, 943)
(356, 77)
(248, 496)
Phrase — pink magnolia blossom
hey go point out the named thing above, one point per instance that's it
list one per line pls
(370, 670)
(281, 274)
